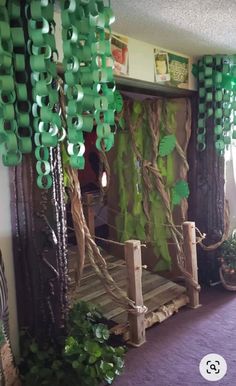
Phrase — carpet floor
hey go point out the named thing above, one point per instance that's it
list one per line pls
(173, 350)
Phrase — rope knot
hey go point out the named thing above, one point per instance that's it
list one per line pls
(138, 310)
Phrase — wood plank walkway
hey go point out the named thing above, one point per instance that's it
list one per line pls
(157, 291)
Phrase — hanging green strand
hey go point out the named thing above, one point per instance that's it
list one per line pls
(46, 118)
(217, 100)
(22, 102)
(29, 102)
(89, 79)
(12, 155)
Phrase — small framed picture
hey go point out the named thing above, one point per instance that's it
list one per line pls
(120, 53)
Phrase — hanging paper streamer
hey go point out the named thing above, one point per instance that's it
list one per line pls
(22, 100)
(217, 100)
(8, 127)
(88, 66)
(29, 96)
(46, 117)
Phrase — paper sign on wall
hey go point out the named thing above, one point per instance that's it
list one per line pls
(162, 70)
(171, 69)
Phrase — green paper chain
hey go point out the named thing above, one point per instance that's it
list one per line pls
(46, 117)
(8, 127)
(22, 103)
(89, 80)
(217, 100)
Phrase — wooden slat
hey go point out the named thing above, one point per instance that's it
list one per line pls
(109, 260)
(116, 312)
(117, 274)
(156, 289)
(98, 292)
(154, 293)
(152, 281)
(153, 300)
(73, 252)
(88, 268)
(89, 281)
(153, 303)
(149, 283)
(114, 267)
(89, 274)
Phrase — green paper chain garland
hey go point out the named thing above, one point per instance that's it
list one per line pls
(217, 100)
(22, 103)
(46, 117)
(8, 125)
(89, 81)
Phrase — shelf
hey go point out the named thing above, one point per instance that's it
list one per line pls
(139, 86)
(142, 87)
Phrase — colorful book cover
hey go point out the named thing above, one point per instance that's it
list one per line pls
(120, 53)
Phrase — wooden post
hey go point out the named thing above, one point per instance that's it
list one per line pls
(190, 251)
(134, 269)
(89, 212)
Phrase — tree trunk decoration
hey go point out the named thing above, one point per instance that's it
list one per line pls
(209, 205)
(40, 251)
(215, 133)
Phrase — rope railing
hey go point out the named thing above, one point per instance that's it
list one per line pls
(200, 238)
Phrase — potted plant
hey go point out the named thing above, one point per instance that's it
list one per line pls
(228, 262)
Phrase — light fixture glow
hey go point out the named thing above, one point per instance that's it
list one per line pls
(104, 180)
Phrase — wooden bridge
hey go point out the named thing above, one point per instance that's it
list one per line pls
(160, 296)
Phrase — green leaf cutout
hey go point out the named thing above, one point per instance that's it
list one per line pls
(179, 191)
(118, 101)
(137, 107)
(122, 123)
(167, 145)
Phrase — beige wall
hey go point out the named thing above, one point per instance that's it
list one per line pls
(6, 247)
(230, 188)
(141, 62)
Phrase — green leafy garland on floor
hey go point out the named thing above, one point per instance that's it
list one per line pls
(30, 113)
(142, 214)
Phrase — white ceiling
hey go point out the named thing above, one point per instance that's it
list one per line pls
(192, 27)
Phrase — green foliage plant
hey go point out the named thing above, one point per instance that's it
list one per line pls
(84, 357)
(228, 254)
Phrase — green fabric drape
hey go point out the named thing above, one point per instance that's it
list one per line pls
(132, 221)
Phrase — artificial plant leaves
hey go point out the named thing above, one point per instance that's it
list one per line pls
(179, 191)
(167, 145)
(118, 101)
